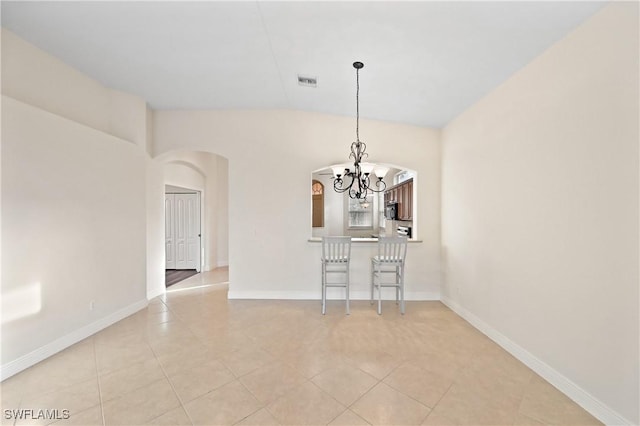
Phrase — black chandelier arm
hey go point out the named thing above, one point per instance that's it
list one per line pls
(358, 188)
(365, 184)
(338, 184)
(380, 184)
(357, 195)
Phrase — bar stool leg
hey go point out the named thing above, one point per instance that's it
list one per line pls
(397, 282)
(379, 294)
(402, 289)
(324, 289)
(372, 278)
(348, 289)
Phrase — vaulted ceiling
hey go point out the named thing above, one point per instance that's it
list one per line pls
(425, 62)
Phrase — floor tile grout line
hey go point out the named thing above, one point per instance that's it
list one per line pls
(302, 384)
(409, 396)
(120, 369)
(17, 408)
(443, 395)
(432, 409)
(249, 372)
(20, 402)
(137, 387)
(249, 415)
(377, 383)
(332, 397)
(524, 394)
(166, 376)
(341, 413)
(262, 404)
(356, 414)
(164, 372)
(362, 396)
(427, 416)
(95, 359)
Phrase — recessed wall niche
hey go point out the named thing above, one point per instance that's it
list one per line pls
(342, 215)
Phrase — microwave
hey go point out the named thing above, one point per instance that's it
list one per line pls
(391, 210)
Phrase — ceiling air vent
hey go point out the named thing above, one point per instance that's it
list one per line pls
(307, 81)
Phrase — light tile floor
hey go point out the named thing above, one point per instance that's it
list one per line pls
(195, 358)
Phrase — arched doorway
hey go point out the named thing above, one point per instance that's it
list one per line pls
(204, 175)
(317, 194)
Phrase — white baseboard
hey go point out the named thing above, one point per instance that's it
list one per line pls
(13, 367)
(583, 398)
(156, 293)
(211, 266)
(332, 294)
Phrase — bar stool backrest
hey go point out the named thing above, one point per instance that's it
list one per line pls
(336, 249)
(392, 250)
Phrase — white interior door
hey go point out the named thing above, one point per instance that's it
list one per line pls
(182, 228)
(169, 231)
(192, 231)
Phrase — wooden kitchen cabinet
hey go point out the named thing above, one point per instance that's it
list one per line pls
(410, 199)
(402, 194)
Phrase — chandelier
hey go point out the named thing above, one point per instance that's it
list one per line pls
(357, 182)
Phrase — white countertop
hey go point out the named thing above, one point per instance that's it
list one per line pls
(357, 240)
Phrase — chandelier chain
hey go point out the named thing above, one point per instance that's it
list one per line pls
(357, 105)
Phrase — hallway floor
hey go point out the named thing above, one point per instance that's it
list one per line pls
(194, 357)
(173, 276)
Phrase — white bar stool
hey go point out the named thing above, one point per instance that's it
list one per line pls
(392, 252)
(336, 257)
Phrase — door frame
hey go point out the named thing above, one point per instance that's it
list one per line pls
(200, 208)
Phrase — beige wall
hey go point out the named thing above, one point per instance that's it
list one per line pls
(271, 155)
(184, 176)
(74, 205)
(220, 221)
(155, 229)
(73, 228)
(540, 210)
(37, 78)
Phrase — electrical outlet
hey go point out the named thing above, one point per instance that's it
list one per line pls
(92, 304)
